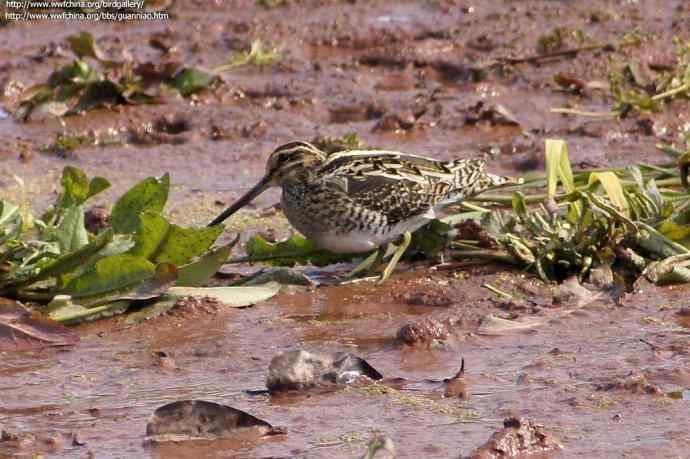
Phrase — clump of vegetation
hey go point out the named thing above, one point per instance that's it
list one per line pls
(617, 220)
(550, 42)
(256, 55)
(633, 92)
(138, 256)
(92, 80)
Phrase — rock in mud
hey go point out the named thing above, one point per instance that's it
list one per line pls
(300, 370)
(97, 219)
(518, 438)
(199, 419)
(425, 332)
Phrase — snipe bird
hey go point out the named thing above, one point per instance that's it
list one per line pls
(357, 201)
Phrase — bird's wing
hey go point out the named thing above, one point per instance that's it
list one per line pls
(396, 185)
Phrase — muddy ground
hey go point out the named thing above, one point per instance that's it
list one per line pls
(403, 76)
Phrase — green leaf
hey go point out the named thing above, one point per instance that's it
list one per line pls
(96, 185)
(75, 187)
(153, 230)
(150, 194)
(613, 188)
(430, 239)
(231, 296)
(296, 250)
(68, 262)
(190, 80)
(110, 274)
(71, 233)
(198, 272)
(183, 244)
(558, 167)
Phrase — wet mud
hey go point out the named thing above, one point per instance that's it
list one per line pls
(599, 375)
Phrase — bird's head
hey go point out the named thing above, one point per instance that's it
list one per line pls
(292, 161)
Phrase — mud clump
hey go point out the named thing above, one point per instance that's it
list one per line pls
(519, 437)
(96, 219)
(428, 332)
(300, 370)
(635, 383)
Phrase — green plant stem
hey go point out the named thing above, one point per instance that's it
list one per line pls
(672, 92)
(572, 111)
(494, 255)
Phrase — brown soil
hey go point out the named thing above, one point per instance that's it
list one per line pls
(401, 74)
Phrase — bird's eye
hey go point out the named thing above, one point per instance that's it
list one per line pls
(282, 159)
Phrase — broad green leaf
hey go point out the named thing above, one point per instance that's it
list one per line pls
(75, 187)
(150, 194)
(183, 244)
(231, 296)
(98, 184)
(110, 274)
(198, 272)
(190, 80)
(71, 233)
(153, 230)
(295, 250)
(613, 188)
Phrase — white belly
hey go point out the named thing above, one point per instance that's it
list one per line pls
(361, 241)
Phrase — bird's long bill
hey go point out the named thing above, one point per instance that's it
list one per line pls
(259, 188)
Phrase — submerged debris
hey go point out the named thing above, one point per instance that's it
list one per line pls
(202, 420)
(518, 438)
(299, 370)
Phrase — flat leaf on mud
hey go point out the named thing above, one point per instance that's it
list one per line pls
(284, 276)
(183, 244)
(150, 194)
(198, 419)
(62, 309)
(190, 80)
(296, 250)
(110, 274)
(232, 296)
(20, 329)
(198, 272)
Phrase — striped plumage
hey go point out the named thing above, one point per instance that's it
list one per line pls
(357, 200)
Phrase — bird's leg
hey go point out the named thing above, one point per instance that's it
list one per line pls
(407, 238)
(368, 264)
